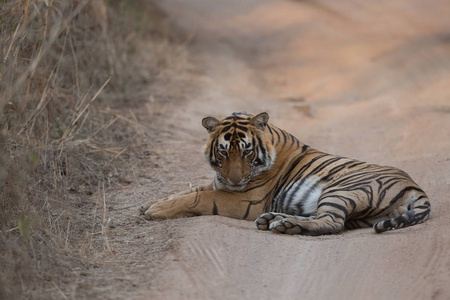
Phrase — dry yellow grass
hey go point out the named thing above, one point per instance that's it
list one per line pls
(67, 73)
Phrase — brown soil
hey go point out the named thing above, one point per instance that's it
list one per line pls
(367, 80)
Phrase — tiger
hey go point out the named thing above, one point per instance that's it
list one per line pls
(265, 174)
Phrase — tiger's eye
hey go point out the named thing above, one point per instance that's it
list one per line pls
(247, 152)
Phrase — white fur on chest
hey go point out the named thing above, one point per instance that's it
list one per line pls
(305, 194)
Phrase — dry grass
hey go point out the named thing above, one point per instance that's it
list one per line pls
(68, 76)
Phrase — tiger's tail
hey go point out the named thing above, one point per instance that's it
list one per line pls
(419, 213)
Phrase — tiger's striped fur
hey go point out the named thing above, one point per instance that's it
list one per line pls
(265, 173)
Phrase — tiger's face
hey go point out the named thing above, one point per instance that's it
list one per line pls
(238, 149)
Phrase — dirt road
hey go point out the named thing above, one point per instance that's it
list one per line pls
(368, 80)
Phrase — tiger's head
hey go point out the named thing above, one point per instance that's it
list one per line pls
(239, 148)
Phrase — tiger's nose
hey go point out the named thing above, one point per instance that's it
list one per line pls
(235, 181)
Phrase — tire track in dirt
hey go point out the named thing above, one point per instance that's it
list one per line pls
(434, 266)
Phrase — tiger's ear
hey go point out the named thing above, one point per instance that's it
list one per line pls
(260, 120)
(210, 123)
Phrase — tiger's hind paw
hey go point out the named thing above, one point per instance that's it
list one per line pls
(285, 225)
(264, 220)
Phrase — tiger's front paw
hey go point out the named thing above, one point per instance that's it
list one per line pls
(288, 226)
(166, 209)
(264, 220)
(144, 207)
(156, 211)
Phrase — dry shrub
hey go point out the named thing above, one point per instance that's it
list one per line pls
(68, 68)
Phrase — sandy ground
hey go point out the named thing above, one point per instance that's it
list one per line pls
(367, 80)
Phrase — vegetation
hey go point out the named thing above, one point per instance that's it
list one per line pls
(68, 77)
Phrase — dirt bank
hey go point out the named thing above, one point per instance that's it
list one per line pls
(363, 80)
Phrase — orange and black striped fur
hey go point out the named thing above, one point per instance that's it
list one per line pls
(265, 174)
